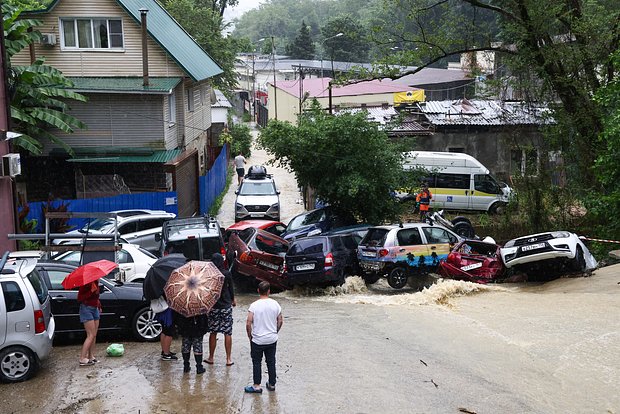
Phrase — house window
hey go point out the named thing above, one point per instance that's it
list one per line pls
(190, 100)
(92, 33)
(172, 109)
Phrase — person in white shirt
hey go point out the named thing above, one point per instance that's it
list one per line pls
(262, 326)
(239, 163)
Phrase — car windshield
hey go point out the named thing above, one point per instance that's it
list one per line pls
(307, 219)
(191, 248)
(253, 188)
(374, 237)
(102, 225)
(308, 246)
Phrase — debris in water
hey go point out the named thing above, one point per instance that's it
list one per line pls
(433, 382)
(466, 411)
(425, 364)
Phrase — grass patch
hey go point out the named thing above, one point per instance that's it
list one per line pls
(217, 204)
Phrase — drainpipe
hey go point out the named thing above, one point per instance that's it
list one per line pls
(145, 51)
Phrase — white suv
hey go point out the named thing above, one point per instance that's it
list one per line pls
(26, 323)
(257, 196)
(134, 226)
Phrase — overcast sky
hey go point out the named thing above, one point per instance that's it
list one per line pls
(242, 7)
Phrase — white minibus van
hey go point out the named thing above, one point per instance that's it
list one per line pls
(459, 181)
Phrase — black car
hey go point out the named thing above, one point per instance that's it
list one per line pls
(316, 222)
(321, 260)
(197, 238)
(124, 307)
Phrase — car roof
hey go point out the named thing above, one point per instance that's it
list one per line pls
(348, 229)
(21, 266)
(258, 224)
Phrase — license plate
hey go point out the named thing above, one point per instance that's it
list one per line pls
(532, 247)
(471, 266)
(256, 215)
(269, 265)
(369, 254)
(307, 266)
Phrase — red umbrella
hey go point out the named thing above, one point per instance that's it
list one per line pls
(194, 288)
(88, 273)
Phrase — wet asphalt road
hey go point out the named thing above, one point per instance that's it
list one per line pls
(553, 348)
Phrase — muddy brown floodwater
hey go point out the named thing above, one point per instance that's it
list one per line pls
(512, 348)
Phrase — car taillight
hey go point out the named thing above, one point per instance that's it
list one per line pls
(223, 251)
(246, 257)
(329, 259)
(383, 252)
(454, 258)
(39, 322)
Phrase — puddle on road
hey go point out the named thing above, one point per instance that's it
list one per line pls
(355, 290)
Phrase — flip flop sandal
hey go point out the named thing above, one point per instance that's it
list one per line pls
(252, 390)
(86, 364)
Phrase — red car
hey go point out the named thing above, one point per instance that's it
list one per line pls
(473, 261)
(273, 227)
(256, 254)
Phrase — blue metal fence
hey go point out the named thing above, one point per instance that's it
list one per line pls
(212, 184)
(153, 201)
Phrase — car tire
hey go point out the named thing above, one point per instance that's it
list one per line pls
(341, 278)
(371, 278)
(144, 326)
(17, 364)
(497, 208)
(397, 278)
(465, 229)
(579, 262)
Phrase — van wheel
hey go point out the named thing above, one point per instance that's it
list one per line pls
(497, 208)
(464, 229)
(144, 325)
(17, 364)
(397, 278)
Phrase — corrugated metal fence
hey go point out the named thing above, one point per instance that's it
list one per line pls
(212, 184)
(153, 201)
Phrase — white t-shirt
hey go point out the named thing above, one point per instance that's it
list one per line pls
(265, 321)
(239, 161)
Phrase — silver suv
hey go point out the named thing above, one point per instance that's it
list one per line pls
(26, 323)
(134, 226)
(257, 196)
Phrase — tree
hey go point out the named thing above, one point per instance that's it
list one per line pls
(347, 160)
(557, 49)
(40, 91)
(203, 21)
(302, 47)
(352, 46)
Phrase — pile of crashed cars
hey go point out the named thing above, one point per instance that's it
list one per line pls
(399, 252)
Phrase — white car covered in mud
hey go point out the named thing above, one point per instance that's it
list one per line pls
(558, 250)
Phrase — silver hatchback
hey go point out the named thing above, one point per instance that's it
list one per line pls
(26, 323)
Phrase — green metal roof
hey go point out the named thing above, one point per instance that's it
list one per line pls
(123, 84)
(162, 27)
(155, 157)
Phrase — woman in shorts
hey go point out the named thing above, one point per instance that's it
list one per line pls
(220, 317)
(90, 310)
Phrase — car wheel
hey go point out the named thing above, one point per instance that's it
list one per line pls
(464, 229)
(579, 262)
(371, 278)
(17, 364)
(497, 208)
(341, 278)
(397, 278)
(144, 325)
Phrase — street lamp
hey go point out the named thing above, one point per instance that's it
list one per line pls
(331, 37)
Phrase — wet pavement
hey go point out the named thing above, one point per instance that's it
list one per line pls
(512, 348)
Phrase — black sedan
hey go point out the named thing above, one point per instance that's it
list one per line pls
(124, 307)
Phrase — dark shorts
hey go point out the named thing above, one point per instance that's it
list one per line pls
(221, 321)
(88, 313)
(240, 172)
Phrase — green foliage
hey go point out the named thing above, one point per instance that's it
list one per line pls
(204, 22)
(302, 47)
(57, 225)
(352, 46)
(241, 139)
(346, 159)
(29, 4)
(39, 102)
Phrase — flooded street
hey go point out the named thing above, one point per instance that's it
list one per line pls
(552, 348)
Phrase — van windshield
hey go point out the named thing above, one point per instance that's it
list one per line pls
(486, 184)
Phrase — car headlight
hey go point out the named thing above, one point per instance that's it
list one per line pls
(275, 207)
(560, 234)
(239, 207)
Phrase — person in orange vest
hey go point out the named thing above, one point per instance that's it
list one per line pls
(423, 199)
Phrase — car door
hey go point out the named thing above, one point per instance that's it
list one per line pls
(65, 307)
(439, 242)
(126, 265)
(111, 307)
(145, 234)
(486, 191)
(410, 247)
(452, 191)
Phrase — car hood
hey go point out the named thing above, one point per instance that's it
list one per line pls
(265, 200)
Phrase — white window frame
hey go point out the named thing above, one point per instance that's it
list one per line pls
(172, 109)
(61, 26)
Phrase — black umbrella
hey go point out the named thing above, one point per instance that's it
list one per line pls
(158, 274)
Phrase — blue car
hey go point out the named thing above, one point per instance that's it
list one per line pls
(315, 222)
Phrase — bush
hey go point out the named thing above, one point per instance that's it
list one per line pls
(240, 139)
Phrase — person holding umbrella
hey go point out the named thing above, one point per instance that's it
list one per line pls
(220, 317)
(87, 278)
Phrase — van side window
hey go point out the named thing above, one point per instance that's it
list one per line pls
(409, 237)
(486, 184)
(13, 297)
(453, 181)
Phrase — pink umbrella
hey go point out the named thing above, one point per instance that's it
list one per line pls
(194, 288)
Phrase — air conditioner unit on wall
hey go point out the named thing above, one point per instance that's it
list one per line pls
(11, 165)
(48, 39)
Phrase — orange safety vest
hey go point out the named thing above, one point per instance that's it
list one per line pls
(424, 198)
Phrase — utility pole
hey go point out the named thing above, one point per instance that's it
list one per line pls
(275, 90)
(253, 107)
(301, 88)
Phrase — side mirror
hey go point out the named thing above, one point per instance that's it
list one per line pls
(157, 237)
(237, 191)
(278, 192)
